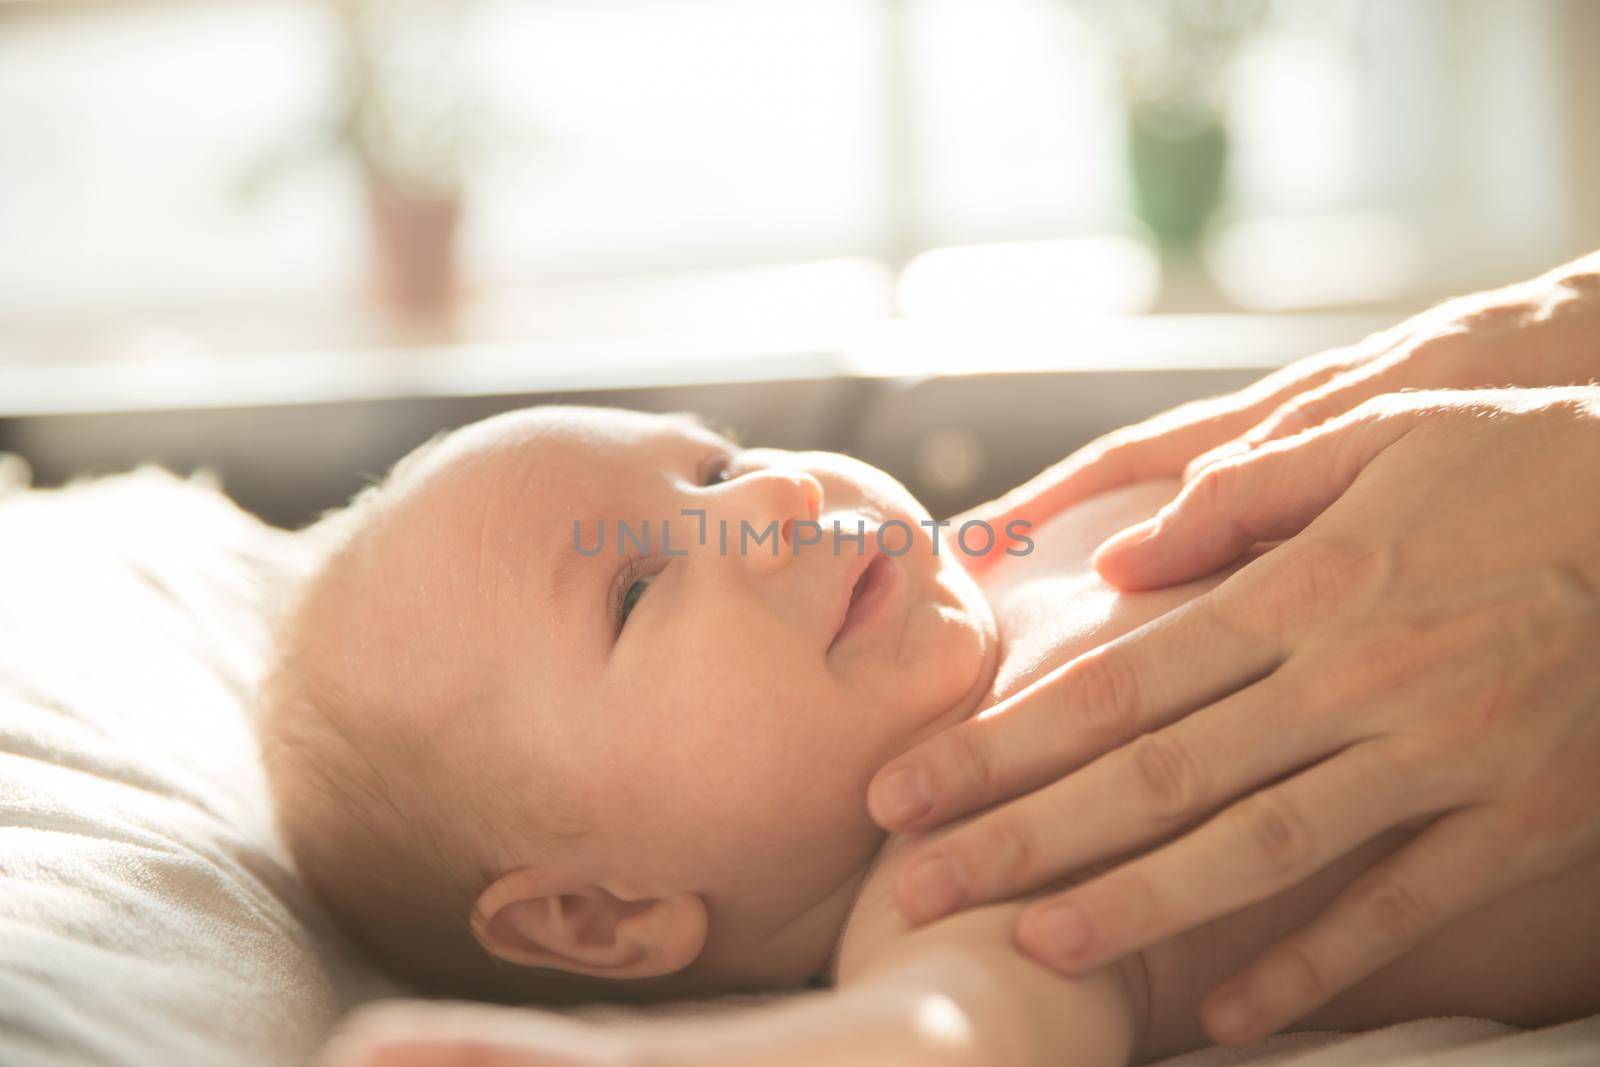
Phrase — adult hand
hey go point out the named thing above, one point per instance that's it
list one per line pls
(1423, 650)
(1541, 332)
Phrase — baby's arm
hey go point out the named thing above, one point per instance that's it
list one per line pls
(970, 981)
(952, 994)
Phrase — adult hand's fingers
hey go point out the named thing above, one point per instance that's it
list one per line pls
(1458, 864)
(1106, 463)
(1158, 447)
(1258, 847)
(1162, 781)
(1385, 362)
(1308, 410)
(1265, 495)
(1072, 715)
(1153, 448)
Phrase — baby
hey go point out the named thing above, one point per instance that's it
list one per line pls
(582, 704)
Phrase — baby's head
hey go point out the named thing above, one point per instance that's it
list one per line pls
(518, 768)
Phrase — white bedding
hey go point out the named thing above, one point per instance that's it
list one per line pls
(146, 915)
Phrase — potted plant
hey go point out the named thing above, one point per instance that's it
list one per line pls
(417, 129)
(1172, 58)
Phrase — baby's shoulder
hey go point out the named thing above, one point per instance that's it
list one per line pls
(874, 921)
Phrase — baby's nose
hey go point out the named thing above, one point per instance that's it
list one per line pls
(809, 506)
(773, 502)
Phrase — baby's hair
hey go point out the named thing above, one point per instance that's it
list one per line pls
(334, 527)
(394, 846)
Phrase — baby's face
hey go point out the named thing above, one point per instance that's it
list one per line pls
(714, 715)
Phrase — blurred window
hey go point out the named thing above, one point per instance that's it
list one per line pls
(165, 155)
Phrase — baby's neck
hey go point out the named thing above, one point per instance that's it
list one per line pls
(754, 951)
(868, 917)
(805, 949)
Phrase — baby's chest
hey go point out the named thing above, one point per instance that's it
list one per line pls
(1045, 622)
(1049, 605)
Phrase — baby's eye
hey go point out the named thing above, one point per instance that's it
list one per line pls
(719, 468)
(631, 596)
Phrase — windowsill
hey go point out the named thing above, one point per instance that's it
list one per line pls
(886, 349)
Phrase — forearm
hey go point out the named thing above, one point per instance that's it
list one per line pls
(952, 994)
(897, 1022)
(1017, 1013)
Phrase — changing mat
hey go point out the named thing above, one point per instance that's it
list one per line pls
(147, 916)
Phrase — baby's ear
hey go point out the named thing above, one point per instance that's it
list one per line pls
(521, 919)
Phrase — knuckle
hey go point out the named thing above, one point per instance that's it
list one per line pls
(1408, 758)
(1318, 409)
(1521, 650)
(1012, 857)
(1551, 827)
(1168, 776)
(1290, 418)
(1274, 833)
(1229, 491)
(1384, 657)
(1306, 980)
(1311, 579)
(1105, 697)
(1314, 408)
(971, 766)
(1396, 911)
(1565, 604)
(1192, 469)
(1214, 486)
(1331, 567)
(1487, 715)
(1525, 823)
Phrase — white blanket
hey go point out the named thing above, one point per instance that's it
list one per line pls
(147, 916)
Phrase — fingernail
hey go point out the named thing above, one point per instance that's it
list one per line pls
(901, 797)
(1064, 930)
(935, 887)
(1133, 535)
(1230, 1015)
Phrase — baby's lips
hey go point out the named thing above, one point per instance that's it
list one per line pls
(854, 567)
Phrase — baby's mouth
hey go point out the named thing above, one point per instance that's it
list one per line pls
(861, 583)
(871, 587)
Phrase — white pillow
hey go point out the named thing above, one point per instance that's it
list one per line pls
(147, 914)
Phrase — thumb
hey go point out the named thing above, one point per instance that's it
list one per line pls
(1267, 494)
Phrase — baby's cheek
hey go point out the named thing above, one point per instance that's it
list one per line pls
(942, 658)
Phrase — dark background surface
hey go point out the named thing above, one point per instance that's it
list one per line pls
(287, 463)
